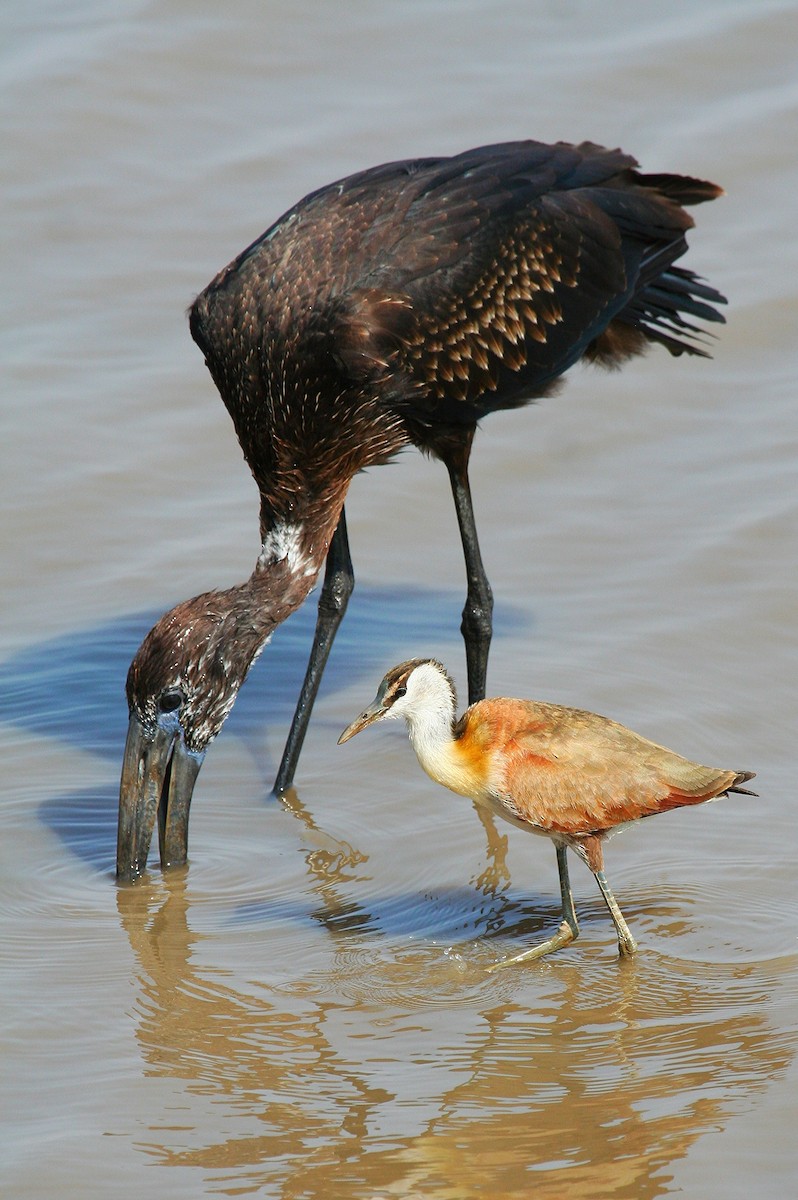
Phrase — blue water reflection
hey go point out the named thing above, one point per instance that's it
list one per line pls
(71, 688)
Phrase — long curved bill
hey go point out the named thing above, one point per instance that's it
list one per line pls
(373, 713)
(158, 777)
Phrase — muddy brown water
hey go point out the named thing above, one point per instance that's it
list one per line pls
(303, 1012)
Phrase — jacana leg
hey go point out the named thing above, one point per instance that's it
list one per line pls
(569, 927)
(477, 623)
(626, 943)
(568, 913)
(339, 582)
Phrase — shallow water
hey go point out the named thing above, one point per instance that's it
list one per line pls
(304, 1011)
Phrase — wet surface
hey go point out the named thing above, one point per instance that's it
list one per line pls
(304, 1010)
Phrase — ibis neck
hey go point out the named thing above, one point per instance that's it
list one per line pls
(288, 565)
(240, 620)
(245, 616)
(297, 536)
(284, 575)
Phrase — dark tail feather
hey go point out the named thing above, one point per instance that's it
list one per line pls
(743, 777)
(658, 309)
(671, 290)
(680, 279)
(682, 188)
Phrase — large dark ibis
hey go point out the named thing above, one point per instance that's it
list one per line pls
(398, 306)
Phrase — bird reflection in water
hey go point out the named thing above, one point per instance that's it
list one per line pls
(337, 1068)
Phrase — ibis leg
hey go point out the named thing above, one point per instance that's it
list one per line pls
(569, 927)
(339, 582)
(626, 943)
(477, 624)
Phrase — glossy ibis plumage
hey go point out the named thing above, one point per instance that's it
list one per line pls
(570, 775)
(395, 307)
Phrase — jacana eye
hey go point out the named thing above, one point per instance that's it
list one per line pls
(400, 691)
(170, 701)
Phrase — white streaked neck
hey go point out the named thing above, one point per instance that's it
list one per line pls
(286, 543)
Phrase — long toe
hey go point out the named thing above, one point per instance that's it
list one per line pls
(563, 937)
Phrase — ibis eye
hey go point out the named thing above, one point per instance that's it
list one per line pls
(170, 701)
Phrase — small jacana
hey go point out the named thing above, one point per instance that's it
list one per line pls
(570, 775)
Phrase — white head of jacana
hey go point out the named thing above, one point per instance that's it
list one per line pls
(570, 775)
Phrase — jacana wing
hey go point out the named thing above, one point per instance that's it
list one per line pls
(575, 772)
